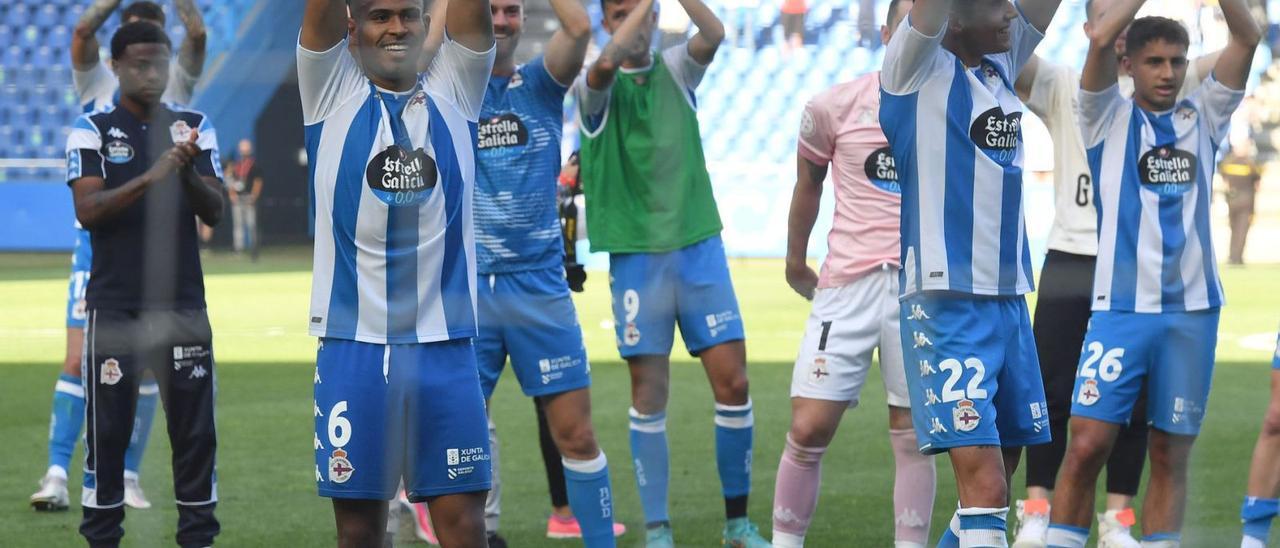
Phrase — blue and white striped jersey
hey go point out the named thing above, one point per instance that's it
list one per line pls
(1153, 173)
(392, 177)
(956, 135)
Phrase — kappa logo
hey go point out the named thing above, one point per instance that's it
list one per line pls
(918, 313)
(931, 397)
(115, 132)
(965, 417)
(909, 518)
(1089, 393)
(921, 339)
(936, 427)
(785, 515)
(926, 368)
(198, 372)
(111, 373)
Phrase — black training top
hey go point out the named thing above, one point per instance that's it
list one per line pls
(147, 256)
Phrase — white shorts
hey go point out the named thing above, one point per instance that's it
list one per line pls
(846, 324)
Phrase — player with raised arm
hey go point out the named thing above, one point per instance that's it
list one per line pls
(953, 122)
(1260, 501)
(525, 309)
(1065, 299)
(855, 306)
(141, 172)
(392, 160)
(97, 87)
(1156, 289)
(651, 207)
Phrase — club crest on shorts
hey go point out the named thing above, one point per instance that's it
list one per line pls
(964, 417)
(340, 469)
(818, 371)
(110, 373)
(1089, 393)
(631, 334)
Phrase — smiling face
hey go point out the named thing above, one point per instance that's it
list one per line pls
(984, 26)
(508, 24)
(387, 37)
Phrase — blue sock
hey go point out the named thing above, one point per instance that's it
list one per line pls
(1067, 536)
(1257, 513)
(951, 535)
(148, 398)
(983, 527)
(735, 434)
(66, 421)
(1162, 539)
(591, 498)
(649, 451)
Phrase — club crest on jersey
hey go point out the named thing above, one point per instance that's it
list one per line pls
(340, 469)
(997, 134)
(882, 171)
(1089, 393)
(504, 130)
(111, 373)
(180, 131)
(818, 371)
(1167, 171)
(631, 334)
(807, 125)
(400, 178)
(964, 417)
(418, 101)
(119, 152)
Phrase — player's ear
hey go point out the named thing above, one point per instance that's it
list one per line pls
(1126, 65)
(351, 30)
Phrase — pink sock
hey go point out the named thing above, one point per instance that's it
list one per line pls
(796, 493)
(915, 479)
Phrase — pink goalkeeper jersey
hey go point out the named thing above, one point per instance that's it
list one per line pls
(841, 127)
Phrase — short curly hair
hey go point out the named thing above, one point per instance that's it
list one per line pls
(1145, 30)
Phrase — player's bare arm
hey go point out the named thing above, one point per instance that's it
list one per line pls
(84, 38)
(703, 45)
(470, 24)
(567, 48)
(324, 24)
(1232, 68)
(95, 204)
(1100, 68)
(627, 42)
(1027, 78)
(805, 199)
(435, 34)
(191, 52)
(1039, 12)
(928, 16)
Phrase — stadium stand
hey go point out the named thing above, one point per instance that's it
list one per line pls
(37, 101)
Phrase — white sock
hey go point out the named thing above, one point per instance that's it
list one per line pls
(787, 540)
(1250, 542)
(57, 472)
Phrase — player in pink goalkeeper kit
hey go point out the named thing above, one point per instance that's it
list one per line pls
(855, 305)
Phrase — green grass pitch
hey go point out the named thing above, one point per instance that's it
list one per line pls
(265, 359)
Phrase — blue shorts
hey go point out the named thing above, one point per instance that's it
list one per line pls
(530, 317)
(1172, 352)
(387, 411)
(972, 372)
(653, 292)
(81, 263)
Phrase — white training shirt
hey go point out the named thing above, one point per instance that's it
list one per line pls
(394, 243)
(1154, 172)
(956, 135)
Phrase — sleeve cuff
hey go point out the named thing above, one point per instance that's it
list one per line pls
(811, 155)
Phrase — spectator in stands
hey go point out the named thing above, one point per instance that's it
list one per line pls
(740, 16)
(244, 186)
(793, 24)
(1242, 173)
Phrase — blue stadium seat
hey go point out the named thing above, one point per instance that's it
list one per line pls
(14, 56)
(47, 16)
